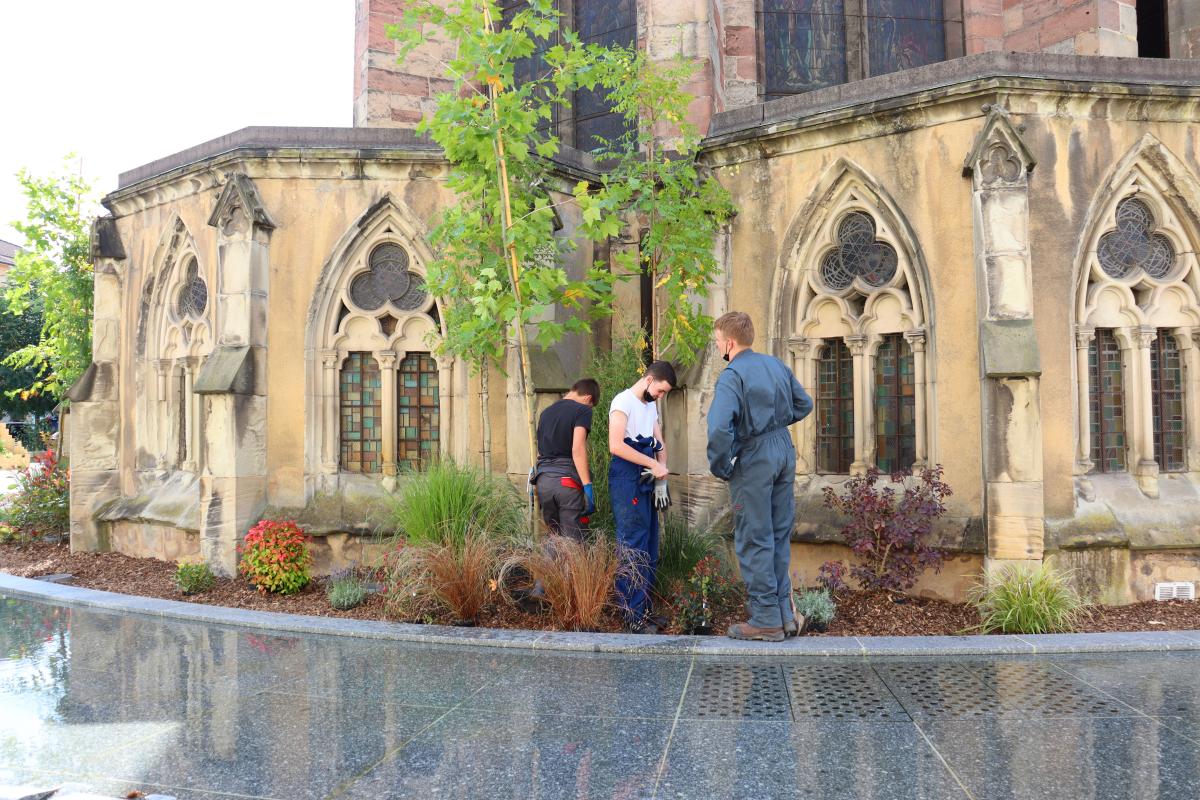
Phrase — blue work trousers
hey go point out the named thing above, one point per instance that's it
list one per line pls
(764, 512)
(637, 535)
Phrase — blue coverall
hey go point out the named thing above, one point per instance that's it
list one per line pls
(756, 399)
(637, 530)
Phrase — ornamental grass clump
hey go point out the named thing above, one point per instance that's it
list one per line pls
(193, 577)
(446, 501)
(1018, 599)
(345, 590)
(458, 577)
(577, 577)
(681, 547)
(275, 557)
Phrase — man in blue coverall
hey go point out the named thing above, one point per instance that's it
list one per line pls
(756, 399)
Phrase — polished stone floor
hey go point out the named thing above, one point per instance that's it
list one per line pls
(106, 703)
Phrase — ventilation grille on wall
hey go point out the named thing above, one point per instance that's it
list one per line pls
(1178, 590)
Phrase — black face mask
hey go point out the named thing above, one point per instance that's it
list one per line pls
(725, 355)
(646, 398)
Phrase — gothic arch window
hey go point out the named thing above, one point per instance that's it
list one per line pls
(379, 395)
(1136, 314)
(852, 307)
(810, 44)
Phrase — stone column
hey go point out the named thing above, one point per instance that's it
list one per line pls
(328, 411)
(163, 412)
(446, 417)
(94, 430)
(1084, 336)
(187, 410)
(801, 350)
(862, 402)
(916, 343)
(1014, 509)
(388, 363)
(1142, 422)
(233, 485)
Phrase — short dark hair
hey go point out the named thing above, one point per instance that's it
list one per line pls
(663, 371)
(587, 387)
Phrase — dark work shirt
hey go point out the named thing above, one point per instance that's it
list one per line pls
(556, 428)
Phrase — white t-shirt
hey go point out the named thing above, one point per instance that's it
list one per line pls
(640, 417)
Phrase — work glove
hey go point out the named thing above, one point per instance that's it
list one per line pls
(646, 476)
(662, 494)
(590, 496)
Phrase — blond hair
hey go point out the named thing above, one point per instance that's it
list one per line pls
(736, 325)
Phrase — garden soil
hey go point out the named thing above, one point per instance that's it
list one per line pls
(858, 613)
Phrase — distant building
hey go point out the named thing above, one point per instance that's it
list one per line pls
(8, 256)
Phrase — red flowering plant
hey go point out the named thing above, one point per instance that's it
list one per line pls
(39, 504)
(889, 533)
(276, 557)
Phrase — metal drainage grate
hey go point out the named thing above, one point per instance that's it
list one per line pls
(741, 692)
(843, 691)
(939, 690)
(1043, 691)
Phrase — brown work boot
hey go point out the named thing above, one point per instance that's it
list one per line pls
(744, 630)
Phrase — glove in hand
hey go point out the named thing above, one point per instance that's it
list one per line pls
(662, 494)
(590, 496)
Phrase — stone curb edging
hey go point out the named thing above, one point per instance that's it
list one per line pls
(877, 646)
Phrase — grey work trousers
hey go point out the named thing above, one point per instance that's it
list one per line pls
(764, 512)
(562, 507)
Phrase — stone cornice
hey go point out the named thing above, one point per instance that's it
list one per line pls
(908, 99)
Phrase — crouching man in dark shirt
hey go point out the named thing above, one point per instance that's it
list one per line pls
(562, 477)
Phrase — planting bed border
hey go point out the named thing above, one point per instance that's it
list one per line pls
(32, 589)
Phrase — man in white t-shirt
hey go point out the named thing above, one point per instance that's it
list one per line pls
(637, 485)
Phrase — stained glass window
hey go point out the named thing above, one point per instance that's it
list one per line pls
(803, 45)
(1132, 245)
(895, 406)
(1106, 399)
(418, 417)
(361, 424)
(1166, 386)
(858, 255)
(602, 22)
(902, 34)
(810, 44)
(835, 408)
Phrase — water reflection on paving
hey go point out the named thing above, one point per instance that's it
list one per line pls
(110, 703)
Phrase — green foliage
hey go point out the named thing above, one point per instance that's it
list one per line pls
(39, 504)
(488, 126)
(616, 370)
(447, 501)
(681, 208)
(345, 590)
(52, 275)
(680, 549)
(19, 331)
(276, 557)
(816, 606)
(1017, 599)
(193, 577)
(708, 591)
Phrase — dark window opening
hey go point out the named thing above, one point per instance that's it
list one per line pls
(418, 413)
(895, 406)
(1152, 36)
(361, 428)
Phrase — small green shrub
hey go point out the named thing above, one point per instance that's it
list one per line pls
(680, 549)
(1018, 599)
(708, 591)
(39, 504)
(193, 577)
(275, 557)
(447, 501)
(346, 590)
(816, 606)
(10, 534)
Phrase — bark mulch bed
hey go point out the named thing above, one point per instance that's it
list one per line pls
(858, 613)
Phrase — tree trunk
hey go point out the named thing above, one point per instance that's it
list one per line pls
(485, 416)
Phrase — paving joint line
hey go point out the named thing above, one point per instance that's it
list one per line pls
(945, 763)
(662, 764)
(343, 787)
(1134, 708)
